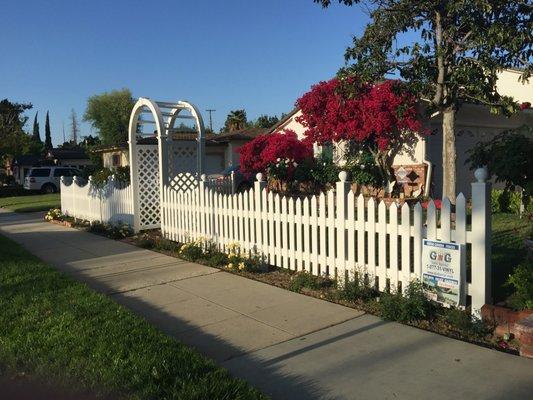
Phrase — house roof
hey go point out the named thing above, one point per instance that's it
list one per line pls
(68, 154)
(241, 134)
(284, 119)
(26, 160)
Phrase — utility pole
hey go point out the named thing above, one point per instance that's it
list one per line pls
(64, 139)
(211, 111)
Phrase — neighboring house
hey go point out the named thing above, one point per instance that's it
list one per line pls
(74, 157)
(474, 123)
(20, 167)
(220, 150)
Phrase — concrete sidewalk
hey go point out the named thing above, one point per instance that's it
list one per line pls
(288, 345)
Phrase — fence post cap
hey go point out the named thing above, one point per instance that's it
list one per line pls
(259, 176)
(343, 176)
(481, 174)
(203, 177)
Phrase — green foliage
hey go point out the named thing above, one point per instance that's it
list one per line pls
(462, 323)
(235, 121)
(506, 201)
(265, 121)
(101, 177)
(411, 307)
(522, 282)
(59, 331)
(47, 133)
(218, 260)
(113, 231)
(13, 140)
(357, 288)
(304, 279)
(362, 168)
(109, 113)
(193, 251)
(325, 172)
(507, 157)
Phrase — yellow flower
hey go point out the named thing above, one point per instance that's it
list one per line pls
(230, 266)
(241, 266)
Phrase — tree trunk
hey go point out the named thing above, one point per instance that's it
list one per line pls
(449, 154)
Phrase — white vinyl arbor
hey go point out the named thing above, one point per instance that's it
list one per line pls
(154, 166)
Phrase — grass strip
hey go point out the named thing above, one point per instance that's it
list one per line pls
(60, 332)
(41, 202)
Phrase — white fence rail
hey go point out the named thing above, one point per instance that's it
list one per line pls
(110, 203)
(337, 232)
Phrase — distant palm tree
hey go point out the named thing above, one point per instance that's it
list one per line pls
(235, 121)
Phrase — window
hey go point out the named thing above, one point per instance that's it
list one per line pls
(61, 172)
(116, 160)
(40, 172)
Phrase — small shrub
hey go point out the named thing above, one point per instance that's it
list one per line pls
(412, 306)
(54, 214)
(217, 260)
(192, 251)
(356, 288)
(304, 279)
(390, 306)
(113, 231)
(243, 260)
(164, 244)
(145, 241)
(522, 282)
(464, 324)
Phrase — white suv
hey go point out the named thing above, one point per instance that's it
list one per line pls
(46, 179)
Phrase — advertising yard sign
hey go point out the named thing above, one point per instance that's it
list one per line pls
(441, 271)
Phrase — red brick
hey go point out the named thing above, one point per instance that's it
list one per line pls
(526, 350)
(523, 330)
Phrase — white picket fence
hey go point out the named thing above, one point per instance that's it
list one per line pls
(112, 203)
(222, 184)
(336, 233)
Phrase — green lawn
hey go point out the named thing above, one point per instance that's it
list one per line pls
(58, 330)
(508, 250)
(38, 202)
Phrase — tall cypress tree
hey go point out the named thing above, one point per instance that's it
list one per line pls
(47, 134)
(36, 136)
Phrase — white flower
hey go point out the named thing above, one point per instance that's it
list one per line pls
(362, 166)
(295, 164)
(360, 151)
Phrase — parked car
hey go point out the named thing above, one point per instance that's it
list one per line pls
(46, 179)
(241, 182)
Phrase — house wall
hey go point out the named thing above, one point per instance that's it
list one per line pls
(107, 158)
(509, 85)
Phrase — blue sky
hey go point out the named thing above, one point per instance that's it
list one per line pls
(221, 54)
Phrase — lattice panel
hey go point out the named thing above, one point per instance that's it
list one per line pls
(182, 158)
(148, 180)
(184, 181)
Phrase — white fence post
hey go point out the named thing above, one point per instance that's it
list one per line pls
(481, 242)
(343, 187)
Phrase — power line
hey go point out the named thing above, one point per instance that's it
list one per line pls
(210, 111)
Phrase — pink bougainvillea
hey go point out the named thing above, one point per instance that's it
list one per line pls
(265, 150)
(353, 110)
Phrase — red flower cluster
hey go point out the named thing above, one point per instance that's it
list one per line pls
(525, 105)
(265, 150)
(354, 110)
